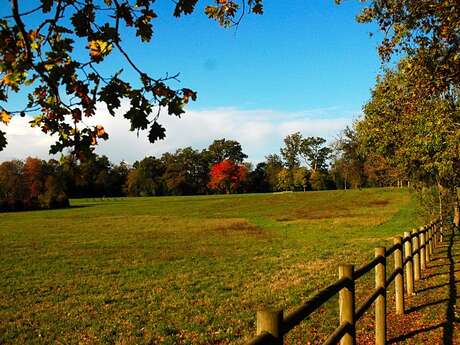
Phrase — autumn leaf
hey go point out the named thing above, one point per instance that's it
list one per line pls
(100, 131)
(157, 132)
(5, 117)
(184, 7)
(76, 114)
(188, 94)
(98, 49)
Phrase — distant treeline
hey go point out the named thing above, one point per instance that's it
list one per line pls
(303, 164)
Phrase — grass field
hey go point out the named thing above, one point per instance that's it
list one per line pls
(184, 269)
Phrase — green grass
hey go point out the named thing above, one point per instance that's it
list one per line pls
(184, 269)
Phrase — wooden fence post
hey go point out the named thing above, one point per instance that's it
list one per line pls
(423, 244)
(271, 322)
(416, 254)
(433, 237)
(409, 267)
(347, 304)
(441, 233)
(380, 302)
(431, 243)
(399, 279)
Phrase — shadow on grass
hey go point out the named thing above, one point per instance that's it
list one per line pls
(449, 272)
(434, 287)
(37, 210)
(80, 206)
(448, 330)
(414, 333)
(443, 265)
(426, 305)
(450, 318)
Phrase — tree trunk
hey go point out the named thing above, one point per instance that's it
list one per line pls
(456, 209)
(440, 192)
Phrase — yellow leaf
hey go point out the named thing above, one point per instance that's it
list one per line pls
(99, 49)
(100, 131)
(5, 117)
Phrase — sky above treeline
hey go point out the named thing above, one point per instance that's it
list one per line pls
(307, 66)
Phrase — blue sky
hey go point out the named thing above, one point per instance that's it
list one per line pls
(306, 66)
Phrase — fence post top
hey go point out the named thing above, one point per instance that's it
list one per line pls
(397, 239)
(270, 311)
(346, 270)
(415, 231)
(407, 234)
(380, 251)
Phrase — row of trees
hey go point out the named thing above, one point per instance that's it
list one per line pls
(413, 116)
(303, 164)
(416, 126)
(32, 184)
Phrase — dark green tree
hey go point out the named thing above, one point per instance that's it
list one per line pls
(223, 149)
(186, 172)
(146, 178)
(315, 153)
(274, 164)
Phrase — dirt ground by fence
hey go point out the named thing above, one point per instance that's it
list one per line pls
(433, 314)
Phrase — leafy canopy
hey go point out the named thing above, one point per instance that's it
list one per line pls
(427, 31)
(227, 176)
(40, 53)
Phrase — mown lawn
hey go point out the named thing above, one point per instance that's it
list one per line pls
(179, 270)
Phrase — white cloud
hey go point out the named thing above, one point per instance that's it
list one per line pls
(260, 132)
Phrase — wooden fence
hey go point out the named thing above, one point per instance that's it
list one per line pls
(412, 253)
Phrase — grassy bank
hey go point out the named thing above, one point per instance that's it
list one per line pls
(183, 269)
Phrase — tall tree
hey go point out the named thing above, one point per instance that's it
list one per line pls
(348, 160)
(274, 164)
(186, 172)
(427, 31)
(291, 149)
(257, 179)
(146, 179)
(227, 176)
(315, 153)
(223, 149)
(12, 190)
(416, 131)
(290, 154)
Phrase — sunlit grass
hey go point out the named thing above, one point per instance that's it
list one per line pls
(183, 269)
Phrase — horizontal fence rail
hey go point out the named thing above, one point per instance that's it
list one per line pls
(411, 255)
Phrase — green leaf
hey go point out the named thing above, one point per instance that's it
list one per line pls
(47, 5)
(112, 93)
(157, 132)
(3, 140)
(184, 7)
(176, 106)
(82, 19)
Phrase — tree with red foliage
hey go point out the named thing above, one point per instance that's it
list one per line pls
(34, 180)
(227, 176)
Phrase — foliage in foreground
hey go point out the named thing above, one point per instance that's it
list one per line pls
(53, 52)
